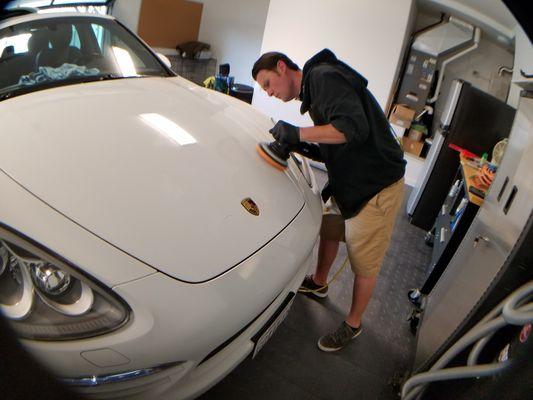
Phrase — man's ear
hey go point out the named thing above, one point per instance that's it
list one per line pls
(281, 67)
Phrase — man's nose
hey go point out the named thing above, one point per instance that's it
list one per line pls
(270, 92)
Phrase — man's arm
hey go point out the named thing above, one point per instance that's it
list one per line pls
(340, 108)
(326, 134)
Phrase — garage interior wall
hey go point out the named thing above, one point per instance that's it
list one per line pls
(234, 29)
(366, 34)
(167, 23)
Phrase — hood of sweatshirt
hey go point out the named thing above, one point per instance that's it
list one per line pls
(326, 56)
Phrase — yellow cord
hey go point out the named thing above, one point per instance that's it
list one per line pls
(345, 262)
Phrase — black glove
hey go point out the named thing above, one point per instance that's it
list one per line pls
(286, 133)
(308, 150)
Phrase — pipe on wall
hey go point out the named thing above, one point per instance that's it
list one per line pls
(477, 36)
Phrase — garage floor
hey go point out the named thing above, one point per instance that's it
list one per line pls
(291, 366)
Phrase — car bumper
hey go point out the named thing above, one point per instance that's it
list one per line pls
(191, 378)
(176, 345)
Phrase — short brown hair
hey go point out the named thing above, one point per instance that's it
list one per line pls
(269, 61)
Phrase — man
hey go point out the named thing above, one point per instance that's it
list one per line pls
(365, 168)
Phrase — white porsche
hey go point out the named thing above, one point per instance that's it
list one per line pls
(145, 247)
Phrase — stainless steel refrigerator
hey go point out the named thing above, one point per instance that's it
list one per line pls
(471, 119)
(495, 254)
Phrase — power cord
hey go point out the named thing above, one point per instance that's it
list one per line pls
(512, 312)
(345, 262)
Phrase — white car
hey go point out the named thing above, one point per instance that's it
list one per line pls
(145, 247)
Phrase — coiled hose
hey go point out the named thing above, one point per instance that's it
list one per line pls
(510, 311)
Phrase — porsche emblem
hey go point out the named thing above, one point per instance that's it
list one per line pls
(250, 206)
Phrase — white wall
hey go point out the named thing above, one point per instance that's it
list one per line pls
(127, 12)
(234, 29)
(366, 34)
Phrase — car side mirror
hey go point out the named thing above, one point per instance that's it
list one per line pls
(165, 59)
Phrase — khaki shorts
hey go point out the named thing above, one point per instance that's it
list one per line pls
(367, 235)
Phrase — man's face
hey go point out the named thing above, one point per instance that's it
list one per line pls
(277, 83)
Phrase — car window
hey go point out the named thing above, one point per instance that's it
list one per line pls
(16, 44)
(67, 50)
(75, 40)
(99, 34)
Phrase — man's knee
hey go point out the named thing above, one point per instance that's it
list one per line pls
(366, 271)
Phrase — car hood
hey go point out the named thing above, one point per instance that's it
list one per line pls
(157, 167)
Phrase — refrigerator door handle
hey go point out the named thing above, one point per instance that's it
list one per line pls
(510, 200)
(502, 190)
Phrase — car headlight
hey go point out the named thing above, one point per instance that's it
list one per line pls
(46, 298)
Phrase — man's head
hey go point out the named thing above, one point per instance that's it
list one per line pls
(277, 75)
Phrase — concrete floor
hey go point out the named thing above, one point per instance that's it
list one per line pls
(291, 366)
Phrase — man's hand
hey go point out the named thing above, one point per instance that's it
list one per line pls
(286, 133)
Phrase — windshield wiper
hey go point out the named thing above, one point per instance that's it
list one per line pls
(106, 77)
(7, 95)
(51, 84)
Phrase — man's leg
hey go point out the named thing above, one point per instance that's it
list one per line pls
(331, 232)
(362, 292)
(327, 252)
(367, 238)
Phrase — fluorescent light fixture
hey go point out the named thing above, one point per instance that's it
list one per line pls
(168, 128)
(124, 61)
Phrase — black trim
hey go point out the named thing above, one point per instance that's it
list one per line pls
(16, 12)
(241, 331)
(276, 314)
(77, 4)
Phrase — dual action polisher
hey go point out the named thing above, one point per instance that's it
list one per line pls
(276, 153)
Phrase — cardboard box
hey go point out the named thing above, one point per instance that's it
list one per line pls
(412, 146)
(414, 135)
(399, 131)
(402, 115)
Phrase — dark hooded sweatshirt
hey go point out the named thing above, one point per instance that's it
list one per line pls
(371, 159)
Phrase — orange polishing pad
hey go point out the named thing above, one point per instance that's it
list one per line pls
(268, 159)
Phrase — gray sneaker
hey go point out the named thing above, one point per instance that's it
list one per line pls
(309, 287)
(338, 339)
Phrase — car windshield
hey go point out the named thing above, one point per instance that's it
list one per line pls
(64, 50)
